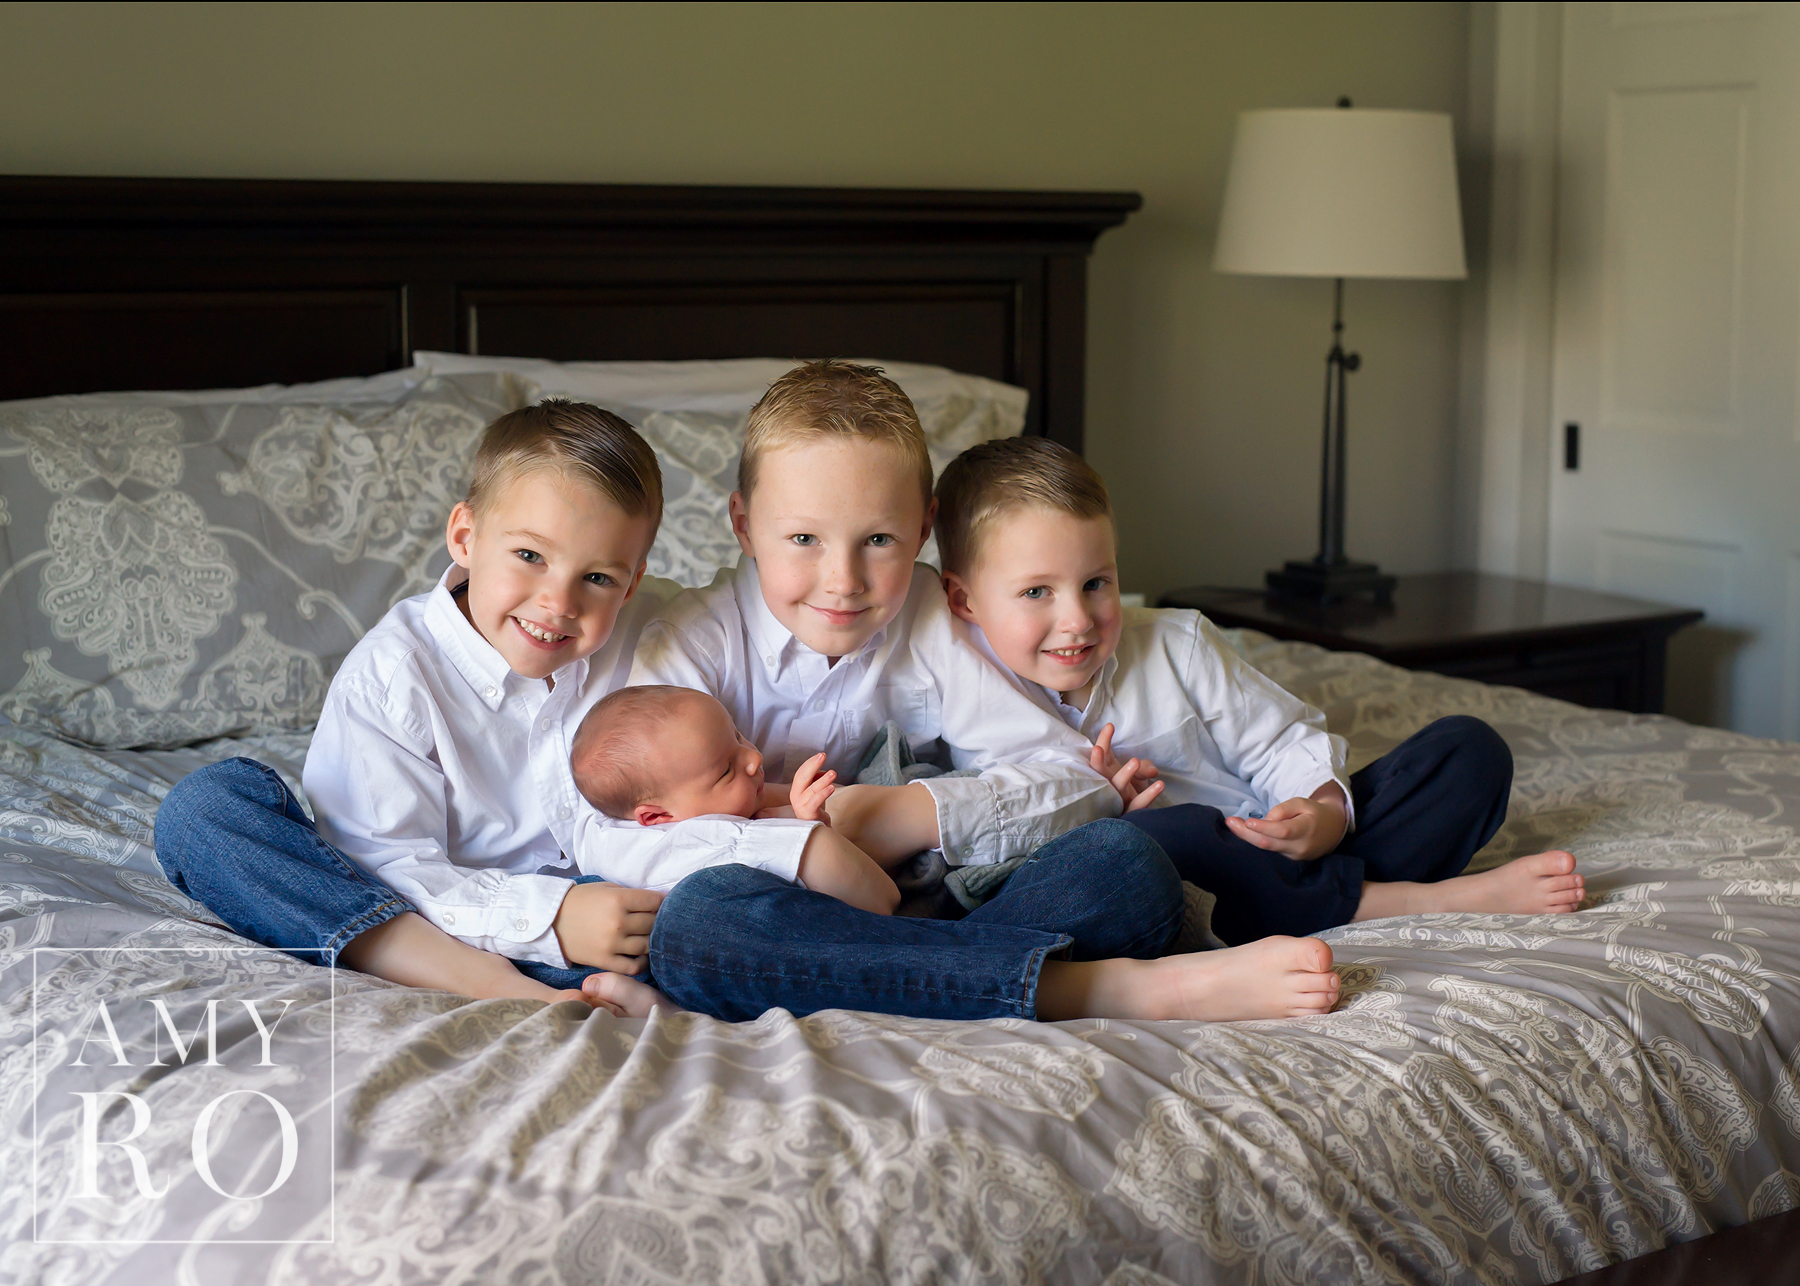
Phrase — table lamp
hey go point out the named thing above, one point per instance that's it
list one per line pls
(1340, 193)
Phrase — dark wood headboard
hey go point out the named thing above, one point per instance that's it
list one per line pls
(200, 283)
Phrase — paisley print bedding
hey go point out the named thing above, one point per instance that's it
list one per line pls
(1498, 1099)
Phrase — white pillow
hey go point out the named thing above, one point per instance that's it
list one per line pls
(727, 386)
(693, 414)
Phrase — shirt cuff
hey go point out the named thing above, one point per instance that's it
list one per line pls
(775, 845)
(516, 918)
(972, 822)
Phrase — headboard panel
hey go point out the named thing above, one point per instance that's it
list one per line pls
(189, 283)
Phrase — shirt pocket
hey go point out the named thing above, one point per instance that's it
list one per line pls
(916, 710)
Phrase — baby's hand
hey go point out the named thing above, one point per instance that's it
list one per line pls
(1135, 779)
(810, 790)
(1303, 829)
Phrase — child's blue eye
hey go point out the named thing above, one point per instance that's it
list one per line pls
(881, 541)
(600, 578)
(529, 555)
(1035, 592)
(804, 539)
(1095, 585)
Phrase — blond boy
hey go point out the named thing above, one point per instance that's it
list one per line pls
(439, 769)
(1255, 804)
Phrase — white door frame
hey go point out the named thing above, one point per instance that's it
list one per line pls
(1509, 327)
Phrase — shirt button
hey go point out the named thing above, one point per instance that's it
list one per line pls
(818, 707)
(448, 918)
(768, 660)
(493, 694)
(565, 811)
(545, 725)
(521, 925)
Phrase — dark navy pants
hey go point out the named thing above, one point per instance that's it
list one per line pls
(1422, 811)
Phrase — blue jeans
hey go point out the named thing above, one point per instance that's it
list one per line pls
(732, 942)
(233, 836)
(1422, 811)
(729, 941)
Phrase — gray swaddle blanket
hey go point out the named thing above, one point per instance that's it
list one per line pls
(930, 888)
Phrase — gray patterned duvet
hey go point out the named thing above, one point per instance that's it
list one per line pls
(1499, 1099)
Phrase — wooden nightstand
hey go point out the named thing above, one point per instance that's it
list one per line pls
(1594, 649)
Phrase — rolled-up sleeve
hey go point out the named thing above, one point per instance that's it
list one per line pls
(1035, 781)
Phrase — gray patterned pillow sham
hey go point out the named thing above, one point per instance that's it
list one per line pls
(179, 567)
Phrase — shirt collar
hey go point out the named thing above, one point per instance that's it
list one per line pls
(478, 661)
(1098, 697)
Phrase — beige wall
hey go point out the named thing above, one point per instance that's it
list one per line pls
(1204, 391)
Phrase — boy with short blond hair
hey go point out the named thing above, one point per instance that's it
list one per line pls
(439, 769)
(1255, 804)
(825, 631)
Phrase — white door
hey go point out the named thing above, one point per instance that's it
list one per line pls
(1678, 338)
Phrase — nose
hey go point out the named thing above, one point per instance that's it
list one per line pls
(557, 597)
(1076, 619)
(843, 575)
(753, 764)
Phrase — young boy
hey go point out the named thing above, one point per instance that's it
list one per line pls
(439, 770)
(659, 756)
(1262, 814)
(824, 631)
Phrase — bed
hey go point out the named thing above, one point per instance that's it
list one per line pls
(1498, 1099)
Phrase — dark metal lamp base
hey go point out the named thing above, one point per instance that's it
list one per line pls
(1331, 582)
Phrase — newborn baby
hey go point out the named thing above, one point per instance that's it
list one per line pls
(659, 755)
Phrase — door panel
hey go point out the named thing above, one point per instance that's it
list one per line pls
(1677, 348)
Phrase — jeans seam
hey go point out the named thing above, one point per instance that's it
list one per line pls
(367, 920)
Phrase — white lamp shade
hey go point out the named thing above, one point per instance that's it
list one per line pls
(1343, 192)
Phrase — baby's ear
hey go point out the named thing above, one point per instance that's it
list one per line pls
(650, 815)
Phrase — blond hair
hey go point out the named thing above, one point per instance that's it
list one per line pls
(573, 439)
(819, 399)
(995, 478)
(615, 742)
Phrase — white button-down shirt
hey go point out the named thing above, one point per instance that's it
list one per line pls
(447, 776)
(1219, 732)
(919, 671)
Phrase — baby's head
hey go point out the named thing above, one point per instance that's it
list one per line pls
(661, 754)
(1026, 532)
(559, 519)
(833, 501)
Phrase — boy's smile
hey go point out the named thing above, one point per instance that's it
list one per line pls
(551, 561)
(834, 527)
(1045, 591)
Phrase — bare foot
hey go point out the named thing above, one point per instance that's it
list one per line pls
(623, 997)
(1272, 978)
(1542, 884)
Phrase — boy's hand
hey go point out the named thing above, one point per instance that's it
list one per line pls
(811, 789)
(1303, 829)
(1135, 779)
(607, 926)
